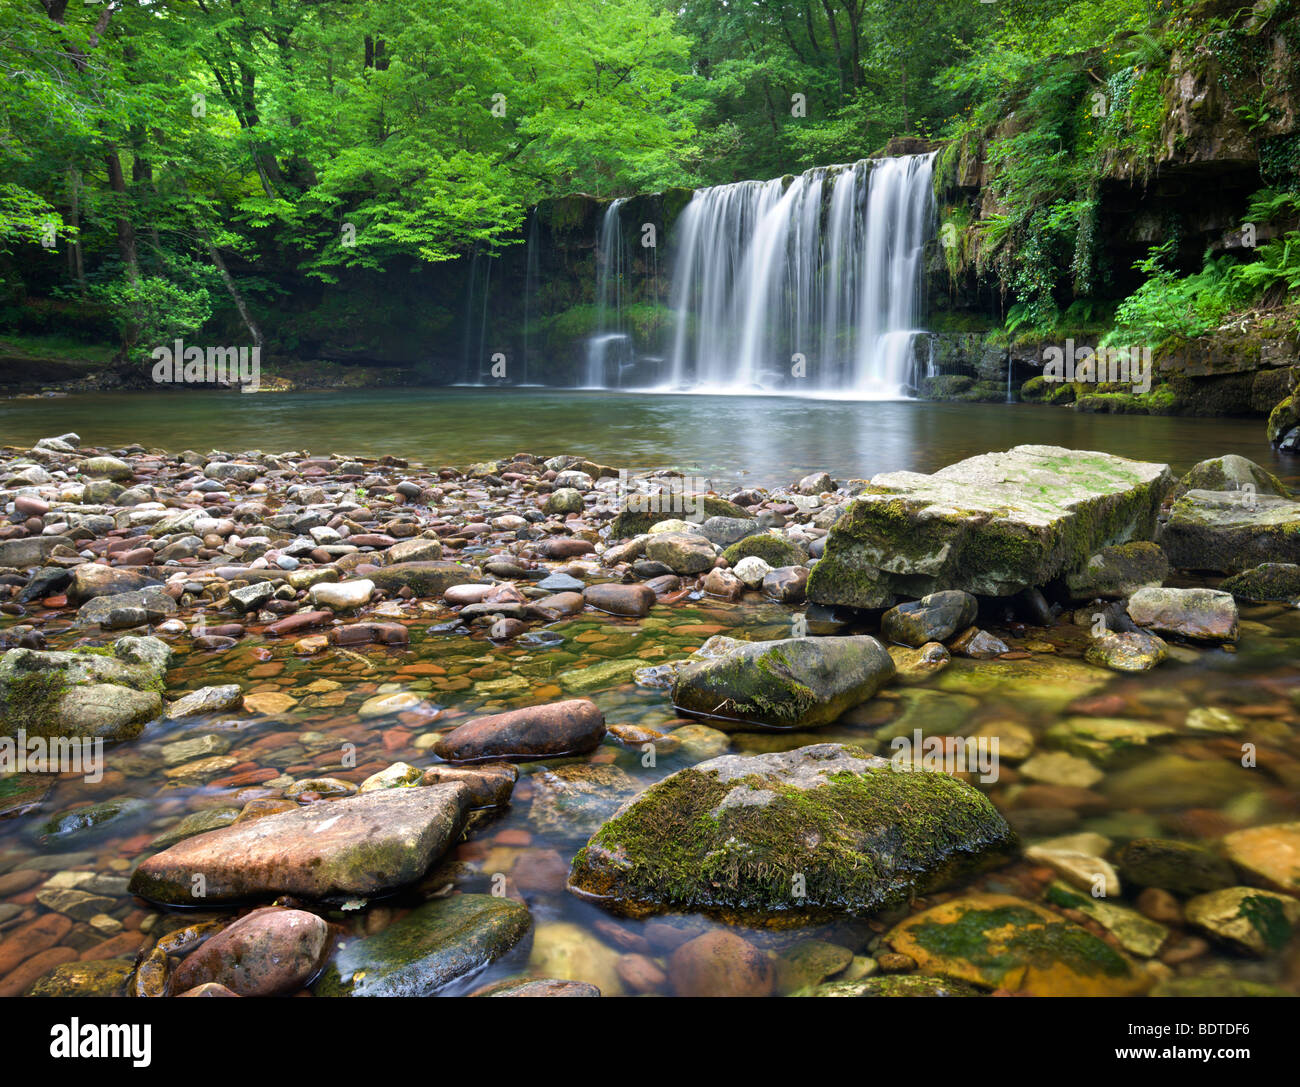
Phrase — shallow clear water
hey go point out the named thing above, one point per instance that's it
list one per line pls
(758, 440)
(1198, 792)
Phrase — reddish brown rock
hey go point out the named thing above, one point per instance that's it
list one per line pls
(636, 600)
(720, 963)
(558, 728)
(270, 951)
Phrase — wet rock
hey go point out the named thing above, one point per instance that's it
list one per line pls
(1247, 919)
(91, 580)
(752, 571)
(681, 552)
(422, 578)
(1135, 652)
(400, 775)
(199, 822)
(30, 551)
(356, 847)
(720, 963)
(1200, 614)
(208, 989)
(790, 683)
(1231, 531)
(568, 952)
(1003, 942)
(104, 978)
(1181, 867)
(537, 987)
(725, 531)
(634, 600)
(1173, 781)
(992, 525)
(225, 698)
(127, 609)
(895, 985)
(561, 583)
(773, 548)
(809, 962)
(415, 550)
(934, 618)
(558, 728)
(488, 784)
(978, 644)
(786, 584)
(268, 952)
(1116, 572)
(562, 501)
(342, 595)
(1230, 473)
(699, 742)
(1136, 934)
(77, 827)
(725, 837)
(436, 944)
(1268, 855)
(1269, 581)
(919, 665)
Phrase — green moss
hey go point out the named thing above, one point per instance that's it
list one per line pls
(1034, 941)
(863, 842)
(1268, 918)
(772, 549)
(28, 702)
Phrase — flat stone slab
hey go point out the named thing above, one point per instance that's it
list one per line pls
(1231, 531)
(349, 848)
(993, 525)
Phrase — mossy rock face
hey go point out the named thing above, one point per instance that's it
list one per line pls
(1283, 419)
(1231, 531)
(789, 683)
(772, 549)
(110, 693)
(1035, 390)
(430, 948)
(1269, 581)
(1003, 942)
(789, 838)
(993, 525)
(638, 514)
(1119, 571)
(1230, 473)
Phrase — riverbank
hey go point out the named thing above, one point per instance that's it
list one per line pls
(492, 661)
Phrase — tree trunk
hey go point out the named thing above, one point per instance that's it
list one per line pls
(235, 294)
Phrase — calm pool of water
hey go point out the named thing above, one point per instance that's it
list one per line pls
(757, 440)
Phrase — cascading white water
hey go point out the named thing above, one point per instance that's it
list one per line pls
(779, 287)
(609, 348)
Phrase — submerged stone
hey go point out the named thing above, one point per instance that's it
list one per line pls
(1003, 942)
(434, 945)
(1247, 919)
(1269, 581)
(992, 525)
(789, 683)
(789, 837)
(934, 618)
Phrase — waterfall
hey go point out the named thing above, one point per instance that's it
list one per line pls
(610, 345)
(804, 284)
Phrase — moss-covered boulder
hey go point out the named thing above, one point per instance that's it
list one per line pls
(109, 694)
(639, 512)
(993, 525)
(433, 946)
(1268, 581)
(787, 838)
(104, 978)
(773, 549)
(1230, 473)
(1231, 531)
(1002, 942)
(789, 683)
(1181, 867)
(894, 985)
(1115, 572)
